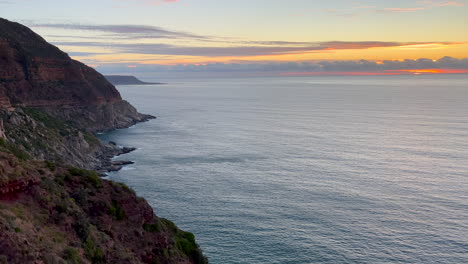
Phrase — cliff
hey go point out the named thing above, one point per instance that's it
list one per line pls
(51, 211)
(126, 80)
(42, 89)
(34, 73)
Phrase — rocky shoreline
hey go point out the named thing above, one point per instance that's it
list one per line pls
(113, 150)
(110, 165)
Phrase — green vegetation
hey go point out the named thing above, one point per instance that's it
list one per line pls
(185, 241)
(93, 252)
(91, 139)
(81, 227)
(46, 119)
(161, 224)
(153, 228)
(61, 179)
(51, 165)
(12, 148)
(116, 211)
(72, 256)
(169, 224)
(123, 186)
(92, 177)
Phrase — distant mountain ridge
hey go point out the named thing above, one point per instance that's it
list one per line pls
(126, 80)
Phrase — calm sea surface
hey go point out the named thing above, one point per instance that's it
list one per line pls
(307, 170)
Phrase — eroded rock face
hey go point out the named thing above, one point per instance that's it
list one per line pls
(34, 73)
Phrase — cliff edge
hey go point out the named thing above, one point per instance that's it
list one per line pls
(52, 209)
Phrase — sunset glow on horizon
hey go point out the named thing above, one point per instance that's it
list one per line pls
(388, 72)
(119, 36)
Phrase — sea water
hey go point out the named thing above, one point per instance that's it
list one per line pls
(307, 169)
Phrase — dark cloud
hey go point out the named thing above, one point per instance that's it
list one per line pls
(281, 67)
(83, 53)
(235, 50)
(133, 31)
(166, 49)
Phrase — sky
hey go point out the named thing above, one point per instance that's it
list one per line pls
(293, 37)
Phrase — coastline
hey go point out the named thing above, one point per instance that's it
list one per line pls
(113, 150)
(54, 207)
(83, 208)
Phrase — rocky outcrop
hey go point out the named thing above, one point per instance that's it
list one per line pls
(34, 73)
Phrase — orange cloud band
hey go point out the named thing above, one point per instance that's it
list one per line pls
(387, 72)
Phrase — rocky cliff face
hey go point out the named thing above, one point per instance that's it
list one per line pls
(99, 117)
(50, 210)
(45, 137)
(34, 73)
(65, 101)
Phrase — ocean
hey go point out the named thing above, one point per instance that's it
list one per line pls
(307, 169)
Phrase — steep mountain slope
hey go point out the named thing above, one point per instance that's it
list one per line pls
(53, 214)
(34, 73)
(50, 210)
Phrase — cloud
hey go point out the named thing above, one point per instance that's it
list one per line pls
(400, 9)
(144, 2)
(445, 65)
(242, 50)
(423, 6)
(128, 31)
(84, 53)
(360, 10)
(445, 3)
